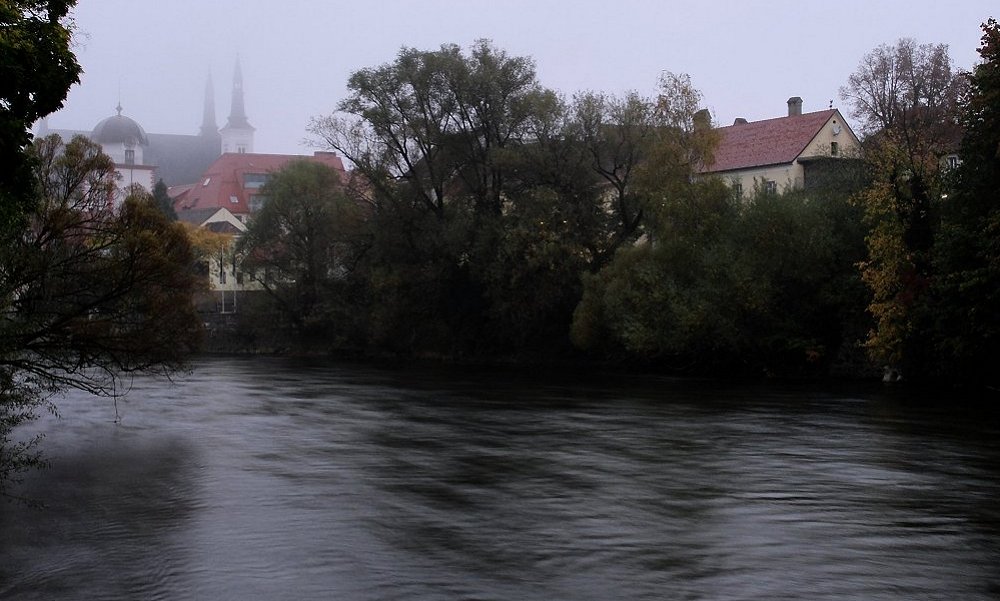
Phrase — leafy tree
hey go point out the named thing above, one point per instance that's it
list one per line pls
(305, 243)
(966, 289)
(439, 122)
(37, 68)
(906, 96)
(766, 286)
(90, 293)
(441, 140)
(618, 134)
(669, 302)
(804, 301)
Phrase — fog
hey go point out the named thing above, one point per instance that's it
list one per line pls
(747, 58)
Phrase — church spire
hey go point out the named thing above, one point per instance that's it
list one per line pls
(237, 135)
(237, 113)
(208, 125)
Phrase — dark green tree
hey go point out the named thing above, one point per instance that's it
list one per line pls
(966, 288)
(670, 302)
(163, 200)
(304, 245)
(37, 68)
(442, 139)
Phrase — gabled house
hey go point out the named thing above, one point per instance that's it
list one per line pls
(234, 182)
(781, 153)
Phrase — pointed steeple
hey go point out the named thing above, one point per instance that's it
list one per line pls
(208, 125)
(237, 113)
(237, 135)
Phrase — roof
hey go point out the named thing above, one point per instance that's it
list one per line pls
(223, 183)
(768, 142)
(119, 129)
(218, 220)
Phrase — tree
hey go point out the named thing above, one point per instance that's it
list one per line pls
(908, 88)
(37, 69)
(304, 243)
(966, 289)
(437, 122)
(90, 293)
(906, 97)
(670, 302)
(440, 140)
(163, 200)
(618, 134)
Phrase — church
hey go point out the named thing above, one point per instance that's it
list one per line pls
(144, 158)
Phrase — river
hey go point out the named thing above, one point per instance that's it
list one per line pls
(273, 479)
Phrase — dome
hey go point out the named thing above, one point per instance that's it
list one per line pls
(119, 129)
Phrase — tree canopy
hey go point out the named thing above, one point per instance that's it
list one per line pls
(37, 68)
(90, 292)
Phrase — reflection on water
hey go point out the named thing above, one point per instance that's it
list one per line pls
(262, 479)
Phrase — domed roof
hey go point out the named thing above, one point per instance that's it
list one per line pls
(119, 129)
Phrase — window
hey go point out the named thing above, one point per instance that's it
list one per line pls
(234, 200)
(738, 189)
(771, 186)
(129, 156)
(241, 148)
(239, 277)
(953, 161)
(255, 180)
(833, 149)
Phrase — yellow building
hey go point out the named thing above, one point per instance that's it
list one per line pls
(779, 154)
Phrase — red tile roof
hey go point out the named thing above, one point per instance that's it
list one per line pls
(222, 184)
(767, 142)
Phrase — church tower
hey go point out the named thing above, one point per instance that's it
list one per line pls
(209, 128)
(237, 135)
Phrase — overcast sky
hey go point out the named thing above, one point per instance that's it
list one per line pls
(746, 57)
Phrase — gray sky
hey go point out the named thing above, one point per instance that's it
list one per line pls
(746, 57)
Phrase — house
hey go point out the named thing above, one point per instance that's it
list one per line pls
(234, 181)
(783, 153)
(226, 194)
(224, 278)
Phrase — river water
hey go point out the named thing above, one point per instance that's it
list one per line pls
(269, 479)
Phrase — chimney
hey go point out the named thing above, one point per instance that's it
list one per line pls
(794, 106)
(702, 120)
(740, 121)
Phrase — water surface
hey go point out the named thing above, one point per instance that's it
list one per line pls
(267, 479)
